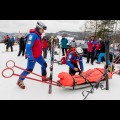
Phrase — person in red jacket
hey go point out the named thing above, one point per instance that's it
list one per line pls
(8, 43)
(45, 46)
(34, 52)
(97, 50)
(91, 49)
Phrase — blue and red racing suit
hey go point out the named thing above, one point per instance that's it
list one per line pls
(34, 52)
(73, 59)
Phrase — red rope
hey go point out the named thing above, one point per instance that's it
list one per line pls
(116, 72)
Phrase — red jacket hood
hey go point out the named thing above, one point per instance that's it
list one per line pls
(34, 31)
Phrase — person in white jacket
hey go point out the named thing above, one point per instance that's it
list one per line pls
(73, 44)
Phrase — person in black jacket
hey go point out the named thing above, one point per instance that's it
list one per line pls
(21, 46)
(26, 56)
(102, 53)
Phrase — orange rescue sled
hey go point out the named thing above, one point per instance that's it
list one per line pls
(91, 75)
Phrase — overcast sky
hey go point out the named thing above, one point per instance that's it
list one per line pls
(11, 26)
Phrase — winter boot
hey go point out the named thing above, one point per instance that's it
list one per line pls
(44, 78)
(26, 56)
(21, 84)
(97, 63)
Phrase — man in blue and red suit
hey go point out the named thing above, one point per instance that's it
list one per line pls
(34, 52)
(74, 61)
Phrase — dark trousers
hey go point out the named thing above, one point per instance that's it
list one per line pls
(96, 54)
(13, 43)
(63, 51)
(45, 53)
(72, 71)
(9, 45)
(90, 55)
(21, 50)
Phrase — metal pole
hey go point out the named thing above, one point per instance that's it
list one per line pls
(107, 42)
(96, 29)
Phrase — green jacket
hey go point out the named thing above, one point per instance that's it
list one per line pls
(64, 42)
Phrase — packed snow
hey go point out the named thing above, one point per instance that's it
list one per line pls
(39, 91)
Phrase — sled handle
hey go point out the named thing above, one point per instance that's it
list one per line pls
(10, 68)
(47, 82)
(7, 65)
(9, 75)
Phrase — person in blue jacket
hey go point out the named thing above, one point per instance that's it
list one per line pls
(64, 42)
(34, 52)
(13, 40)
(75, 62)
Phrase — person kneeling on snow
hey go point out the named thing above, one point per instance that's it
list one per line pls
(75, 62)
(34, 52)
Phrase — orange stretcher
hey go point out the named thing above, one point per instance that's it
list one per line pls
(90, 76)
(87, 79)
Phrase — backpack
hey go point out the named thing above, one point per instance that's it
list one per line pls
(70, 50)
(63, 60)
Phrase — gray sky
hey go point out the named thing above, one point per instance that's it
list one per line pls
(52, 25)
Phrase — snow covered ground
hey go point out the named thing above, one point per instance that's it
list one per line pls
(39, 91)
